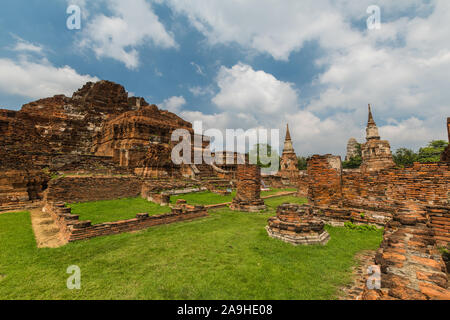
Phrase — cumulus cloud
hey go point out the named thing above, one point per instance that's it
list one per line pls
(37, 79)
(402, 69)
(173, 104)
(244, 89)
(131, 25)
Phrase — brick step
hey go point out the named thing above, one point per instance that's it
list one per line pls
(19, 206)
(442, 238)
(441, 233)
(441, 221)
(442, 226)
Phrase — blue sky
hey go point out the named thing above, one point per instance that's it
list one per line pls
(245, 64)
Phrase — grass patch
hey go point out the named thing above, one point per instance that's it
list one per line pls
(208, 197)
(203, 198)
(115, 210)
(225, 256)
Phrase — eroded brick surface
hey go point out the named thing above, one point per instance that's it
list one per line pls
(297, 225)
(248, 193)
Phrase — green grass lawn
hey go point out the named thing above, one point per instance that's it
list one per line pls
(225, 256)
(115, 210)
(207, 197)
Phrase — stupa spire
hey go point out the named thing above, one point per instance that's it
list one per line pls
(372, 129)
(370, 121)
(288, 134)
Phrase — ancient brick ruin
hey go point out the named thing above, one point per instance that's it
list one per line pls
(100, 131)
(411, 266)
(411, 203)
(101, 144)
(296, 224)
(71, 229)
(248, 189)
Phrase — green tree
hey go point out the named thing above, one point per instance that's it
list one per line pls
(354, 162)
(264, 153)
(302, 163)
(432, 152)
(404, 157)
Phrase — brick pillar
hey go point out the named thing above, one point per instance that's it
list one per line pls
(248, 194)
(325, 179)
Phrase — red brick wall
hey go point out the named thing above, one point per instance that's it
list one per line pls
(84, 189)
(427, 184)
(325, 180)
(439, 221)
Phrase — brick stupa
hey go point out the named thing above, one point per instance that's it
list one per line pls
(289, 160)
(376, 153)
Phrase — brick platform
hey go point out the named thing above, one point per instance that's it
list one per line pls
(295, 224)
(248, 194)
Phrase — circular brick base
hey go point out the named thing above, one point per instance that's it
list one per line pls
(300, 238)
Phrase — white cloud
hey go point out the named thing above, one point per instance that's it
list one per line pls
(25, 46)
(173, 104)
(38, 79)
(246, 90)
(402, 69)
(133, 24)
(201, 91)
(275, 28)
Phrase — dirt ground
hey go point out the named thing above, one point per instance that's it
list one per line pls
(45, 230)
(354, 290)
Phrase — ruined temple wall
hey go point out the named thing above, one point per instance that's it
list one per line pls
(426, 184)
(84, 189)
(21, 186)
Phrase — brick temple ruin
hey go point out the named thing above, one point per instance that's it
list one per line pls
(101, 144)
(412, 204)
(97, 131)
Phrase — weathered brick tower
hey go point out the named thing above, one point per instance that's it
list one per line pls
(288, 161)
(376, 153)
